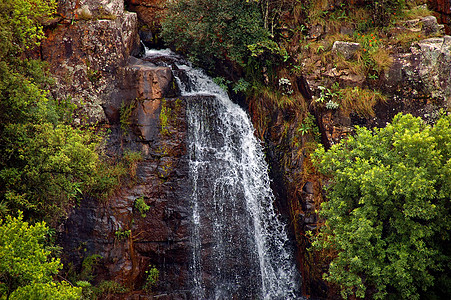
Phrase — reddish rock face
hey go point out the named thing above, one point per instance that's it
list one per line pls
(83, 9)
(88, 53)
(149, 13)
(160, 236)
(443, 9)
(86, 58)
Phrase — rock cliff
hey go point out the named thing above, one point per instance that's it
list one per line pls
(89, 49)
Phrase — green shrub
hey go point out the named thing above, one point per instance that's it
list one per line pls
(126, 113)
(109, 287)
(388, 215)
(209, 30)
(141, 206)
(87, 267)
(152, 277)
(26, 266)
(122, 234)
(165, 116)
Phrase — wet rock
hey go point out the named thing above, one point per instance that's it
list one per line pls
(148, 112)
(347, 49)
(146, 36)
(160, 236)
(149, 13)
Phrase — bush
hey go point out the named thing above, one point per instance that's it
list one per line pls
(388, 214)
(45, 163)
(141, 206)
(209, 30)
(26, 268)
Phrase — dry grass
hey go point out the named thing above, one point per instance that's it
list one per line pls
(360, 101)
(417, 12)
(406, 38)
(316, 11)
(382, 59)
(359, 15)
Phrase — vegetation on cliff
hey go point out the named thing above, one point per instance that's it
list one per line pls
(214, 30)
(387, 218)
(45, 162)
(388, 214)
(27, 266)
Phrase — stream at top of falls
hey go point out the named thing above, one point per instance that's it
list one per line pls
(239, 245)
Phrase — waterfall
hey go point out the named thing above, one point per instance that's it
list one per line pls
(240, 248)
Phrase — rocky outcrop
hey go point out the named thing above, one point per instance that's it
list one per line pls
(129, 240)
(149, 13)
(417, 82)
(346, 49)
(83, 9)
(89, 52)
(86, 52)
(413, 79)
(140, 80)
(423, 72)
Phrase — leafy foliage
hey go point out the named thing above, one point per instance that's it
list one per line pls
(46, 167)
(21, 23)
(388, 215)
(141, 206)
(25, 267)
(214, 29)
(44, 163)
(152, 277)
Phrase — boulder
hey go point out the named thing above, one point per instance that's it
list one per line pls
(430, 25)
(424, 72)
(141, 80)
(346, 49)
(89, 9)
(149, 82)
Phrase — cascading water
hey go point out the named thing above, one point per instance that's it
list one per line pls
(240, 248)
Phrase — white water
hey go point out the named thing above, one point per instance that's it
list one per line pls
(240, 248)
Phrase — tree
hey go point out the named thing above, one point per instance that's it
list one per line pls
(25, 267)
(44, 162)
(388, 214)
(214, 30)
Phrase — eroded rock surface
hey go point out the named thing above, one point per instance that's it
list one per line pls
(346, 49)
(89, 53)
(86, 9)
(86, 58)
(129, 240)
